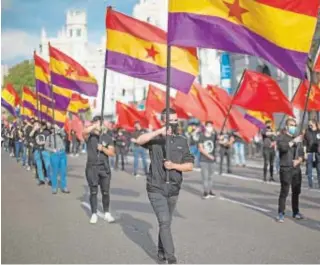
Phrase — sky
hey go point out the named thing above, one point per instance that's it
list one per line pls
(22, 21)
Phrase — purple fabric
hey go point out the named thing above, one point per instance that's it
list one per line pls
(8, 107)
(255, 121)
(192, 30)
(127, 65)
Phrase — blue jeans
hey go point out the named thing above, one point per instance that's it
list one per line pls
(38, 161)
(194, 150)
(139, 151)
(24, 154)
(47, 163)
(310, 168)
(239, 154)
(18, 149)
(59, 166)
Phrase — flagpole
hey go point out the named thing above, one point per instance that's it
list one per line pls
(168, 108)
(231, 103)
(292, 99)
(37, 95)
(307, 101)
(53, 111)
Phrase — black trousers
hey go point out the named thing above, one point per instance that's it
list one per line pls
(268, 159)
(225, 152)
(163, 207)
(290, 176)
(98, 175)
(120, 151)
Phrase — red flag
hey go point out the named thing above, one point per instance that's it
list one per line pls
(221, 94)
(191, 103)
(77, 126)
(299, 100)
(128, 115)
(316, 66)
(156, 101)
(260, 92)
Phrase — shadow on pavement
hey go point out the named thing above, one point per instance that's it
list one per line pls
(138, 231)
(307, 222)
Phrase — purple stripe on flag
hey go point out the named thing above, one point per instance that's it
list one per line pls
(29, 105)
(61, 102)
(8, 107)
(191, 30)
(86, 88)
(261, 125)
(127, 65)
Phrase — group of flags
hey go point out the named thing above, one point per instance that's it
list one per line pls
(280, 32)
(59, 86)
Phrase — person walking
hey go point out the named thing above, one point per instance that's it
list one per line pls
(162, 192)
(138, 151)
(269, 147)
(291, 156)
(207, 147)
(99, 147)
(226, 141)
(311, 143)
(120, 146)
(55, 144)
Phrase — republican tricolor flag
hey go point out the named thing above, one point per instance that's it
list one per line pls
(279, 31)
(138, 49)
(10, 99)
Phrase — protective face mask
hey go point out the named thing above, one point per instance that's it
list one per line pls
(292, 130)
(174, 127)
(209, 129)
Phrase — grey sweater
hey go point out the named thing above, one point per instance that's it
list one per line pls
(60, 144)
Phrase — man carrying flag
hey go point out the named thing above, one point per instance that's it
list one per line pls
(163, 195)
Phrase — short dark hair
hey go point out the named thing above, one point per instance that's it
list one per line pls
(96, 118)
(208, 122)
(163, 113)
(289, 120)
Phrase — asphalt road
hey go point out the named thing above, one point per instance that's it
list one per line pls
(237, 226)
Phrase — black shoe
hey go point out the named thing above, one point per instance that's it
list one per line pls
(211, 194)
(229, 171)
(205, 195)
(40, 183)
(49, 183)
(161, 258)
(65, 191)
(271, 179)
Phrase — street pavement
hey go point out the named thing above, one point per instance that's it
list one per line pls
(237, 226)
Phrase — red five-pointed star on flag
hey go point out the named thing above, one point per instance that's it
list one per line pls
(69, 71)
(151, 53)
(235, 10)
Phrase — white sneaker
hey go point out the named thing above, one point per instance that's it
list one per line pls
(94, 218)
(108, 217)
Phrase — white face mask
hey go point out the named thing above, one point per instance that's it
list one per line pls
(209, 129)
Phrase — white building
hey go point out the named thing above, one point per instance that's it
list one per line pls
(4, 72)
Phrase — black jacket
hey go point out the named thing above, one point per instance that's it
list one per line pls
(286, 153)
(312, 140)
(179, 153)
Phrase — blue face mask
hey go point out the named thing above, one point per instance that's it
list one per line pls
(292, 130)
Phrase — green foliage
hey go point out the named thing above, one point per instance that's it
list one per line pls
(21, 74)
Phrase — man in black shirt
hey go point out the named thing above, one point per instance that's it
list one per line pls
(207, 147)
(311, 143)
(121, 147)
(226, 141)
(138, 151)
(269, 146)
(99, 148)
(162, 192)
(291, 156)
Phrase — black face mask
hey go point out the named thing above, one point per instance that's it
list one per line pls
(174, 127)
(268, 127)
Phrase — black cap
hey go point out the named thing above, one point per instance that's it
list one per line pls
(96, 118)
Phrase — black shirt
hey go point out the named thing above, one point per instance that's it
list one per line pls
(179, 153)
(312, 141)
(286, 153)
(137, 133)
(39, 136)
(92, 151)
(209, 145)
(226, 137)
(120, 140)
(267, 139)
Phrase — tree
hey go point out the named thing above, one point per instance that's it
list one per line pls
(21, 74)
